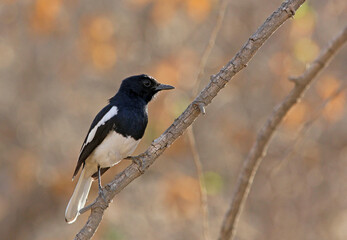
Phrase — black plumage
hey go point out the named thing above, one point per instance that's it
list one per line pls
(130, 120)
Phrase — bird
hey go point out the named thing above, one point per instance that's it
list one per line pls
(113, 136)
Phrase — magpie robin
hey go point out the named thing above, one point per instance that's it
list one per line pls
(113, 135)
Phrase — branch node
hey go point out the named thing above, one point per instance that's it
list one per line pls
(233, 66)
(252, 39)
(201, 105)
(295, 80)
(212, 77)
(290, 10)
(321, 63)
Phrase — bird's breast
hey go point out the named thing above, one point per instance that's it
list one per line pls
(113, 149)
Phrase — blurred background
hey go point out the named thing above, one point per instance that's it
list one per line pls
(61, 60)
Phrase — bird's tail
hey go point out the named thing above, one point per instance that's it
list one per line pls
(78, 198)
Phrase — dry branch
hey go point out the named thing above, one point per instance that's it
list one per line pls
(258, 150)
(218, 81)
(290, 150)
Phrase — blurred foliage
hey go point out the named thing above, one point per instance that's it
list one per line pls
(61, 60)
(213, 182)
(112, 234)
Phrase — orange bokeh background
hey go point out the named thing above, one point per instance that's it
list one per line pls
(61, 60)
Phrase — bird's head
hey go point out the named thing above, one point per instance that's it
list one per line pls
(143, 86)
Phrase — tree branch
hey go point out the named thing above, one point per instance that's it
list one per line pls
(290, 150)
(258, 150)
(217, 82)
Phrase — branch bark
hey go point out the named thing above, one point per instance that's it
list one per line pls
(217, 82)
(258, 150)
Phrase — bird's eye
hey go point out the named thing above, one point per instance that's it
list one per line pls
(147, 83)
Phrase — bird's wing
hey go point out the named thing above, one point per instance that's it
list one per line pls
(101, 126)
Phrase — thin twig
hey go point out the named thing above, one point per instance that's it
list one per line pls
(203, 192)
(190, 132)
(159, 145)
(258, 150)
(202, 66)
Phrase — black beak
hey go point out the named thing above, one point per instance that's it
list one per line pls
(163, 87)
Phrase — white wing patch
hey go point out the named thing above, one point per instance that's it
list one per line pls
(110, 114)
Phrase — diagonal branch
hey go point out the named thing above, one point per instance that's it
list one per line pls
(258, 150)
(218, 81)
(290, 150)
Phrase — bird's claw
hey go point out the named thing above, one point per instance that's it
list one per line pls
(137, 161)
(101, 193)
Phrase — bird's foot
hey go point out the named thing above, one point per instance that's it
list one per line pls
(101, 193)
(134, 160)
(137, 161)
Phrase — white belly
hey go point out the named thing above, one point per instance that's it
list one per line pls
(112, 150)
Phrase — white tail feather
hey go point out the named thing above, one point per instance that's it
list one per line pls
(78, 198)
